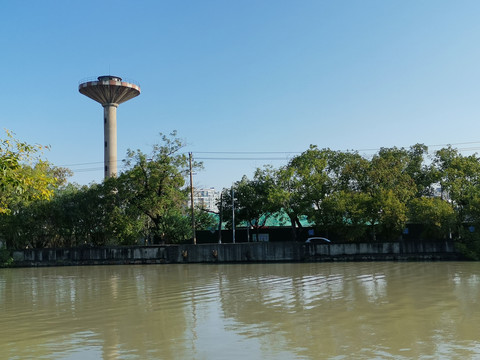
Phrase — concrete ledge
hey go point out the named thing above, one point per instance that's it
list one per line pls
(241, 252)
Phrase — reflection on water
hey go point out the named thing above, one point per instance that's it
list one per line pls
(260, 311)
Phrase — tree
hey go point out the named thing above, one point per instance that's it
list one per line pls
(436, 215)
(309, 176)
(424, 175)
(459, 179)
(153, 187)
(147, 202)
(26, 181)
(251, 200)
(204, 219)
(326, 187)
(99, 215)
(24, 175)
(286, 195)
(319, 183)
(388, 188)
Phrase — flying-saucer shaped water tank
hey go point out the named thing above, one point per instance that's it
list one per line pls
(110, 91)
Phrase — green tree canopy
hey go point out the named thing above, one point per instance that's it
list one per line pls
(153, 187)
(24, 175)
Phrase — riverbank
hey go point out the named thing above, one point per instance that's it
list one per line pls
(237, 253)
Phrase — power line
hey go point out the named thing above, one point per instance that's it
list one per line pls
(462, 143)
(87, 169)
(239, 158)
(286, 157)
(81, 164)
(248, 152)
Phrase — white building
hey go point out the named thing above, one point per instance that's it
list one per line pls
(206, 198)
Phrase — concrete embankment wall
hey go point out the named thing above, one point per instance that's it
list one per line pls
(241, 252)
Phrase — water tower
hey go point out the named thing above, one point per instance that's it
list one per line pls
(110, 91)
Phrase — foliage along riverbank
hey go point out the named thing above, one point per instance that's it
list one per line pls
(344, 195)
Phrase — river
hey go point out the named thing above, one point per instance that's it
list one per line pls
(369, 310)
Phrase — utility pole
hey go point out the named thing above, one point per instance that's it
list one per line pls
(220, 215)
(191, 199)
(233, 215)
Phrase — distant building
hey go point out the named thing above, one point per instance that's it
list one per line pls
(206, 199)
(438, 192)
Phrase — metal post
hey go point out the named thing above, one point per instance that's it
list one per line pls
(191, 198)
(233, 214)
(220, 218)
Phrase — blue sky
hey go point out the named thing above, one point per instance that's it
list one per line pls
(268, 76)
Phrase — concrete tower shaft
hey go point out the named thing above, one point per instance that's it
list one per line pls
(110, 91)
